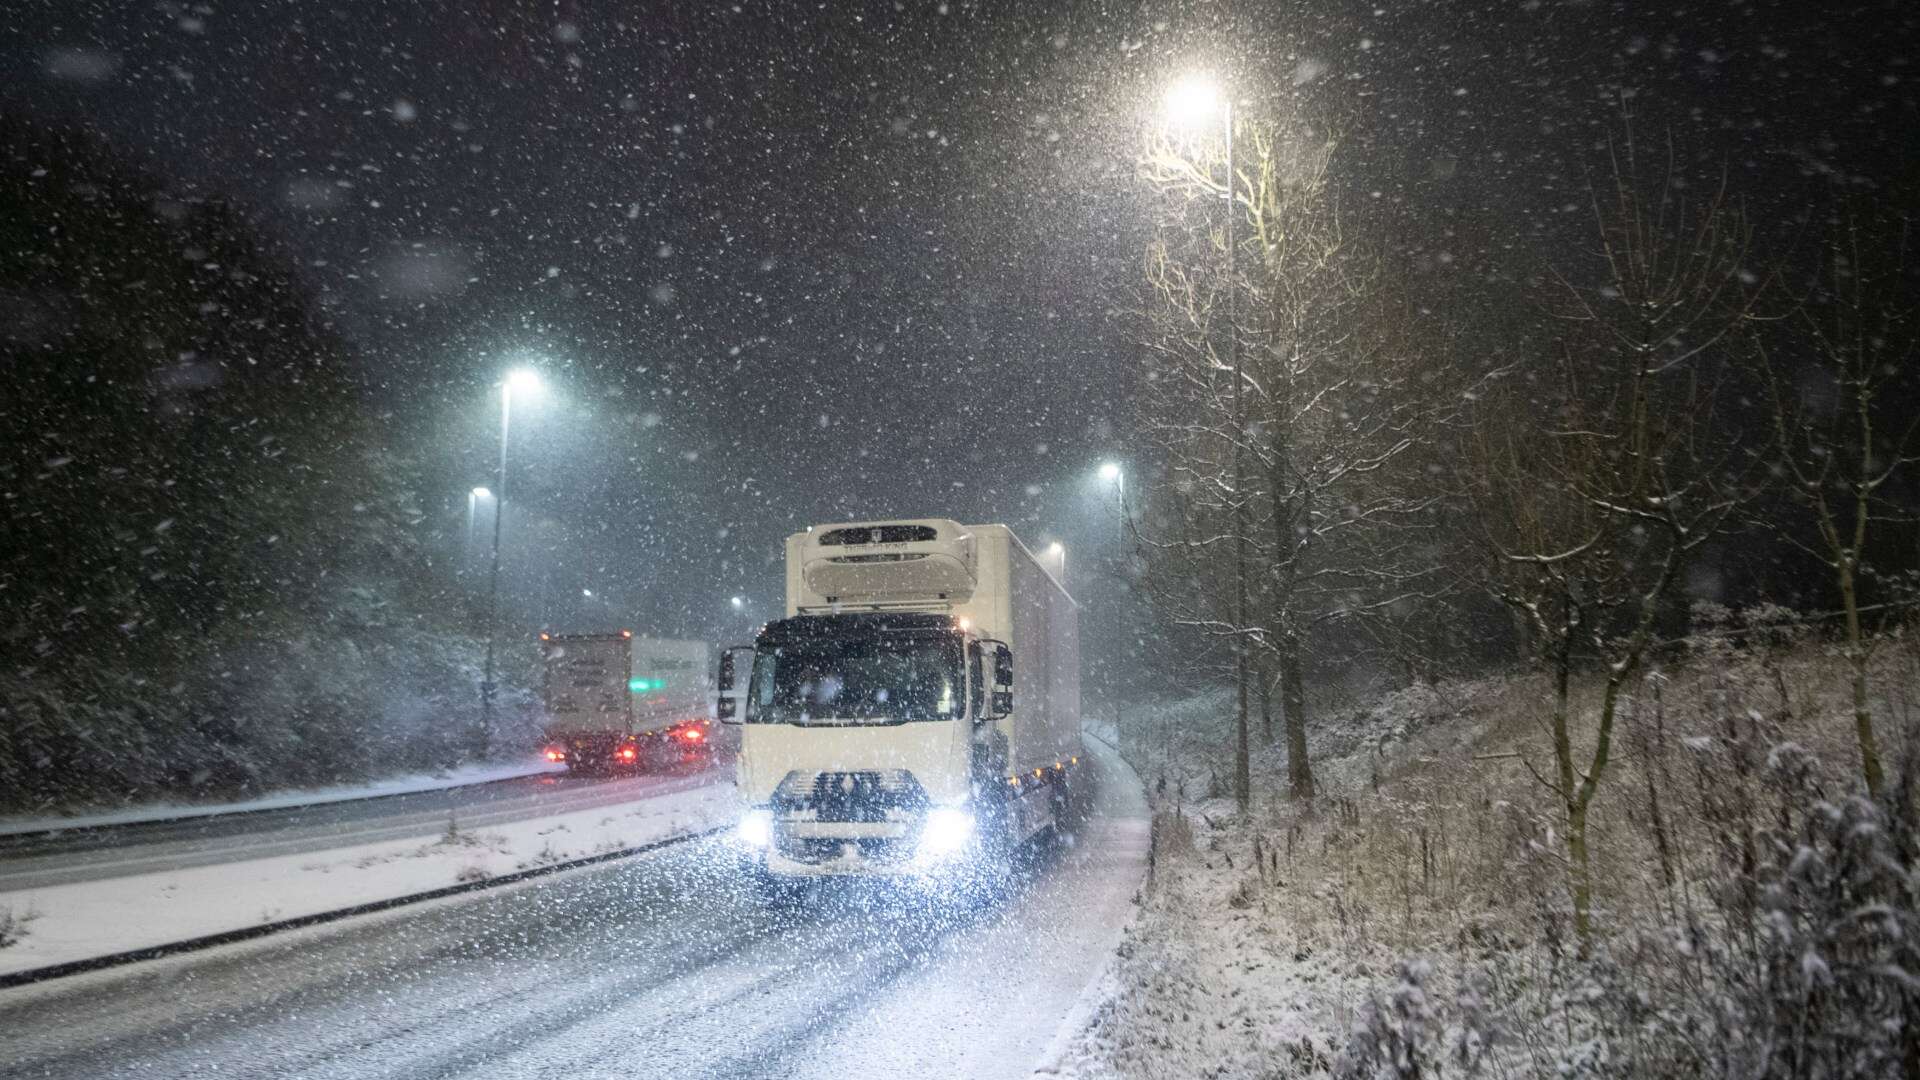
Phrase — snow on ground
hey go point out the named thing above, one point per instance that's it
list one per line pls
(1418, 915)
(463, 776)
(74, 922)
(1202, 987)
(1038, 963)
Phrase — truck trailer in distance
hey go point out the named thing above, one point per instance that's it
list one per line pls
(916, 713)
(614, 701)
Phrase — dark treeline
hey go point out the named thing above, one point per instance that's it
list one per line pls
(216, 575)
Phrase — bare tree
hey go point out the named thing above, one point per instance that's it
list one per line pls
(1289, 456)
(1595, 471)
(1837, 442)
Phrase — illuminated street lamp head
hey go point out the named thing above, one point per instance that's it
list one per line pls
(1056, 549)
(482, 493)
(1109, 472)
(523, 381)
(737, 602)
(1194, 101)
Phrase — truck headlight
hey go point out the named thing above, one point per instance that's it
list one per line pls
(756, 828)
(947, 830)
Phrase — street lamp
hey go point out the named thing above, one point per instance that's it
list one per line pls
(1194, 100)
(526, 382)
(738, 602)
(1109, 472)
(1191, 103)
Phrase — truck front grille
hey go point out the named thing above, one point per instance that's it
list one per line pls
(870, 796)
(893, 557)
(829, 849)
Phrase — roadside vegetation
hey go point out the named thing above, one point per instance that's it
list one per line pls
(1606, 826)
(220, 575)
(1753, 911)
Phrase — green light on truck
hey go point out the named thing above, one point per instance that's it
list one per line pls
(646, 686)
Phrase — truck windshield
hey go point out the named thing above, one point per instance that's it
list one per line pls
(857, 680)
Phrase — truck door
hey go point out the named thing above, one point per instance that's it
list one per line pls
(984, 698)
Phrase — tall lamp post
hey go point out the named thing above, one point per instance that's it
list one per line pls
(1191, 103)
(1111, 473)
(473, 508)
(526, 382)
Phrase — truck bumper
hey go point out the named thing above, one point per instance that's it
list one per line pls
(940, 843)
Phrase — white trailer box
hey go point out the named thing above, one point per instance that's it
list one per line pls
(670, 683)
(614, 701)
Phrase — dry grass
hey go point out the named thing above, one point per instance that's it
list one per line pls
(1436, 841)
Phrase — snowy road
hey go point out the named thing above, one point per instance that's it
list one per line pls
(657, 966)
(41, 861)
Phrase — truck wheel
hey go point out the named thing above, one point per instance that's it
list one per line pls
(992, 871)
(1060, 802)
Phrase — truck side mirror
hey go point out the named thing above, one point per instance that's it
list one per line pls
(1002, 697)
(977, 682)
(730, 706)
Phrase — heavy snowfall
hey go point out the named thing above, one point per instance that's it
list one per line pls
(935, 538)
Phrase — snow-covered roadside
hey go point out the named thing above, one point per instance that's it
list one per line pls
(463, 776)
(1418, 915)
(76, 922)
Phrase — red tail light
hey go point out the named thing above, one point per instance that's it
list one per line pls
(692, 735)
(555, 755)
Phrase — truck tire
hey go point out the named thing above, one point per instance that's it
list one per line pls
(1060, 803)
(992, 873)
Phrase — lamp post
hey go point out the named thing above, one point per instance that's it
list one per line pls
(1057, 555)
(473, 509)
(1189, 103)
(1111, 473)
(527, 382)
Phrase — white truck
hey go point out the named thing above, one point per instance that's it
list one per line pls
(917, 713)
(614, 701)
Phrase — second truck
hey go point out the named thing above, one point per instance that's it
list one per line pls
(916, 713)
(616, 702)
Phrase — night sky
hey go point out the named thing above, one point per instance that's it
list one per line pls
(785, 264)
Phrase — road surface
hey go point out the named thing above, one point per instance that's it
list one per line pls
(42, 860)
(658, 966)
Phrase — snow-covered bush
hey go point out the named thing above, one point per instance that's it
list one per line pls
(1407, 1036)
(1754, 916)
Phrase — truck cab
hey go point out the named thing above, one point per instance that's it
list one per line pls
(882, 729)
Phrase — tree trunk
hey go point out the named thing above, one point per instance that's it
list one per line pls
(1580, 871)
(1242, 752)
(1294, 698)
(1857, 658)
(1579, 879)
(1522, 636)
(1266, 702)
